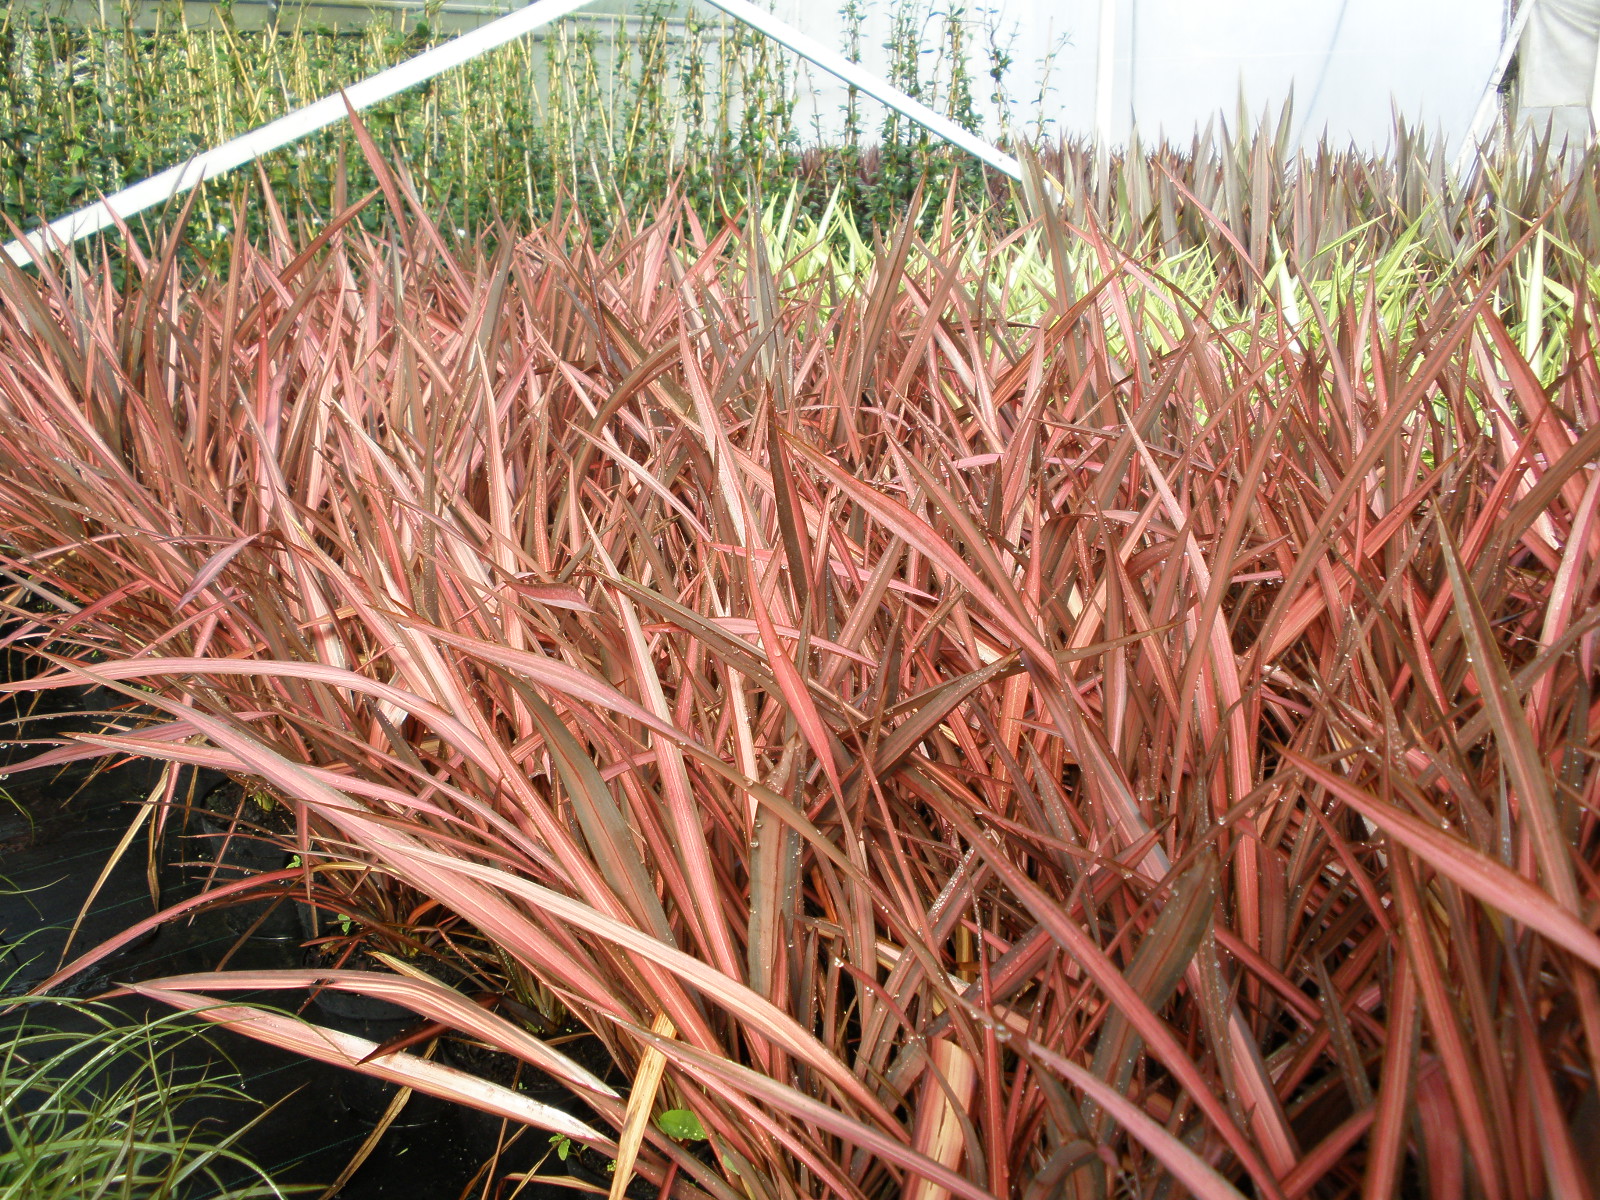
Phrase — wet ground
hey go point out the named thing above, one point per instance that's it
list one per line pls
(58, 830)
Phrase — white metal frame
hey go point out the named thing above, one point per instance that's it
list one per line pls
(161, 188)
(1472, 145)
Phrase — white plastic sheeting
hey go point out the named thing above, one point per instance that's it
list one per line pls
(1559, 69)
(1558, 54)
(1349, 65)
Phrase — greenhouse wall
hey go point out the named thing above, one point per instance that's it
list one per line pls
(1349, 65)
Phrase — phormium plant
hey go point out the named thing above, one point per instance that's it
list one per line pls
(1084, 737)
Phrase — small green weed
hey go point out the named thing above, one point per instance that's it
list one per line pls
(681, 1124)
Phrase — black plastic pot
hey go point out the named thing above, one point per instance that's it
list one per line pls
(350, 1007)
(314, 923)
(377, 1021)
(226, 810)
(481, 1132)
(233, 850)
(589, 1166)
(364, 1096)
(514, 1147)
(509, 1072)
(269, 920)
(361, 1010)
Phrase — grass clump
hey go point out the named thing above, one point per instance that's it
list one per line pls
(95, 1104)
(961, 726)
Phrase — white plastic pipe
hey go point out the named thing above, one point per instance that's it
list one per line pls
(878, 88)
(1594, 97)
(1105, 73)
(1472, 147)
(159, 189)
